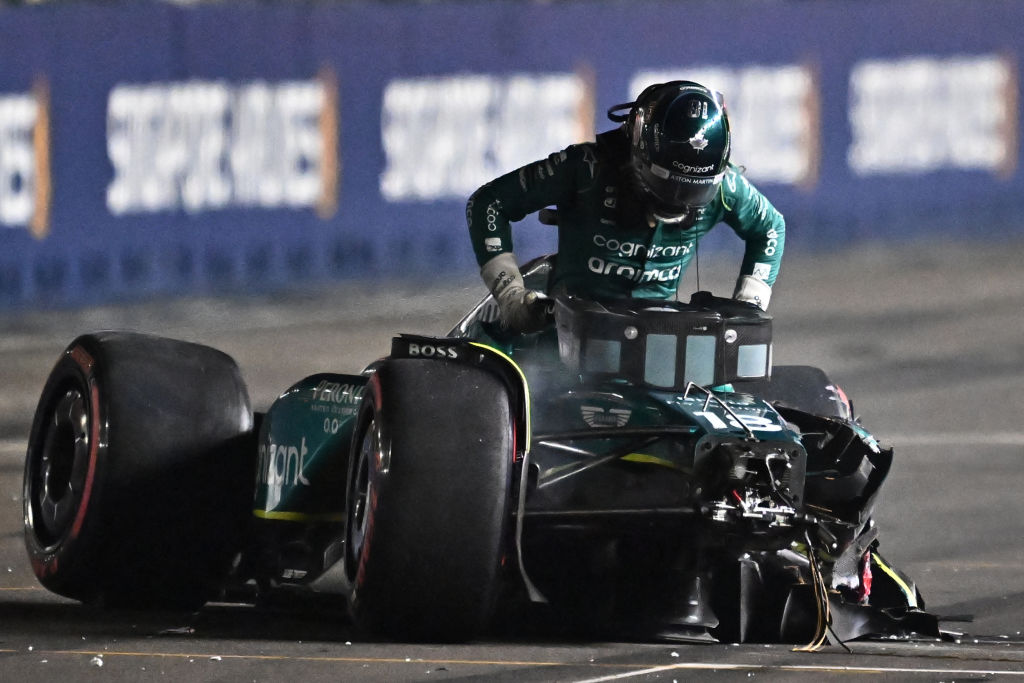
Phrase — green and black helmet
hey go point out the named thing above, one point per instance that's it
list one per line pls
(679, 146)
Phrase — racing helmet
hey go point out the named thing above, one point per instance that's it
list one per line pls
(679, 146)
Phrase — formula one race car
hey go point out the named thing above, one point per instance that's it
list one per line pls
(637, 469)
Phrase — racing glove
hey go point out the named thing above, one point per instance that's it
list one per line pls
(522, 310)
(753, 291)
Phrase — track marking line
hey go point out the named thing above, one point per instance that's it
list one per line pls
(697, 666)
(692, 666)
(352, 660)
(626, 675)
(332, 660)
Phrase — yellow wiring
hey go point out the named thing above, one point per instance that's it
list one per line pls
(821, 601)
(824, 610)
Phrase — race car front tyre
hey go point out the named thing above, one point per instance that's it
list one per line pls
(428, 500)
(138, 473)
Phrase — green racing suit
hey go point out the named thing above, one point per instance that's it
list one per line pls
(606, 246)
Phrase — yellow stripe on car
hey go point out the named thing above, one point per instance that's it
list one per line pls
(526, 387)
(299, 516)
(911, 595)
(651, 460)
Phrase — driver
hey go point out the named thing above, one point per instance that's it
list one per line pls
(631, 207)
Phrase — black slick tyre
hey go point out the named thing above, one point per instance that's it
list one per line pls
(138, 472)
(428, 500)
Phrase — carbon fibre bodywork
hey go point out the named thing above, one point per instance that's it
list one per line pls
(644, 501)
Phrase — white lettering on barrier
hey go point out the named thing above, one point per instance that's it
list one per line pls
(17, 165)
(444, 137)
(923, 114)
(773, 115)
(24, 160)
(208, 145)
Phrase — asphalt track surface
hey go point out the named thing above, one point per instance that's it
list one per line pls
(928, 342)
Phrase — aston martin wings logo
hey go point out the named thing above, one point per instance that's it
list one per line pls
(698, 141)
(600, 417)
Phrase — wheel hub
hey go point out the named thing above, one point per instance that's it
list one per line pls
(58, 478)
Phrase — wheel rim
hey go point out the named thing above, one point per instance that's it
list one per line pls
(362, 491)
(57, 480)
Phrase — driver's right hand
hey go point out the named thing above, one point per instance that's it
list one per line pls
(524, 310)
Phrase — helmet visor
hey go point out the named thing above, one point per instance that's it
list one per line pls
(674, 191)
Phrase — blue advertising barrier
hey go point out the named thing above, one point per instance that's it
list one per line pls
(153, 149)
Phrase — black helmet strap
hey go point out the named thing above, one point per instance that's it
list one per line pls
(616, 115)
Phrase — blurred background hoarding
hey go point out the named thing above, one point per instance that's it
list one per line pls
(154, 149)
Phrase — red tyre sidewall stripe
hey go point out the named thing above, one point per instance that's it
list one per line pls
(377, 393)
(372, 500)
(86, 362)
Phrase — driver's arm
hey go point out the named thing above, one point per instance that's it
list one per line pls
(762, 229)
(491, 210)
(508, 198)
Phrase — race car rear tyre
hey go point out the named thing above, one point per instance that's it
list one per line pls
(138, 473)
(428, 500)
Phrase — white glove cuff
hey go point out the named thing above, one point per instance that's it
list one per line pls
(753, 291)
(502, 273)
